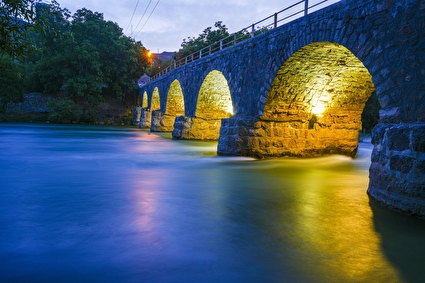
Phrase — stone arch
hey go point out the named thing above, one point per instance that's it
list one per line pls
(315, 102)
(175, 100)
(313, 107)
(322, 82)
(174, 106)
(214, 100)
(144, 103)
(213, 104)
(155, 100)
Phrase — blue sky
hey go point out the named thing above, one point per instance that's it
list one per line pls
(174, 20)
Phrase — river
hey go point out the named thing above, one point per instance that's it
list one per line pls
(82, 203)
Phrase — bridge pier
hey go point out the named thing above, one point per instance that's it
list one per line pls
(262, 138)
(196, 128)
(397, 172)
(162, 122)
(145, 118)
(137, 111)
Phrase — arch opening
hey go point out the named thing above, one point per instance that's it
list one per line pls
(214, 100)
(315, 103)
(145, 114)
(164, 121)
(175, 100)
(144, 103)
(155, 101)
(214, 103)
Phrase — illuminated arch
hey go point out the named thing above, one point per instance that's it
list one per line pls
(322, 82)
(214, 100)
(144, 99)
(155, 102)
(175, 100)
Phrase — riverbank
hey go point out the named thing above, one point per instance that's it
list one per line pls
(35, 109)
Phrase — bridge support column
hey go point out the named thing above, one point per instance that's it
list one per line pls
(196, 128)
(145, 118)
(261, 138)
(137, 110)
(397, 172)
(162, 122)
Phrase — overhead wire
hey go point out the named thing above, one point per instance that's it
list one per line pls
(141, 18)
(148, 18)
(131, 19)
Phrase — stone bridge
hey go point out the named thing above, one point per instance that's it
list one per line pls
(300, 89)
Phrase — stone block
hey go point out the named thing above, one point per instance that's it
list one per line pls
(418, 139)
(398, 138)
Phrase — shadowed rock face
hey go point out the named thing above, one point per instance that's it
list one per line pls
(398, 167)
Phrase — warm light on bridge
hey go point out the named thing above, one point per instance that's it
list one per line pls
(318, 109)
(230, 107)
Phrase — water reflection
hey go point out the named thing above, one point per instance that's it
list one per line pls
(402, 242)
(111, 204)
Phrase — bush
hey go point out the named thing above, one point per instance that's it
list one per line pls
(64, 111)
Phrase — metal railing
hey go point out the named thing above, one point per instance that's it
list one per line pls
(284, 16)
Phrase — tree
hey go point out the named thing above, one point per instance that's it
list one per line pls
(44, 68)
(105, 58)
(206, 38)
(87, 56)
(10, 81)
(16, 16)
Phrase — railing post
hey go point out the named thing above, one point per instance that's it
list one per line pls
(252, 30)
(234, 39)
(221, 44)
(305, 7)
(275, 20)
(210, 50)
(200, 54)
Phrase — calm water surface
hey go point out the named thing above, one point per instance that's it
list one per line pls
(110, 204)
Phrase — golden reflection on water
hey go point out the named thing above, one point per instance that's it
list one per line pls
(333, 223)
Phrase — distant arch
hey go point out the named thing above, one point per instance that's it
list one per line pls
(155, 101)
(144, 100)
(175, 100)
(214, 100)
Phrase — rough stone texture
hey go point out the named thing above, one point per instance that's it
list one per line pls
(33, 102)
(196, 128)
(145, 118)
(386, 36)
(212, 106)
(137, 111)
(397, 173)
(261, 138)
(162, 122)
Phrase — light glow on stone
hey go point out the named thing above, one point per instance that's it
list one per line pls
(214, 100)
(144, 100)
(230, 107)
(155, 103)
(318, 109)
(175, 99)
